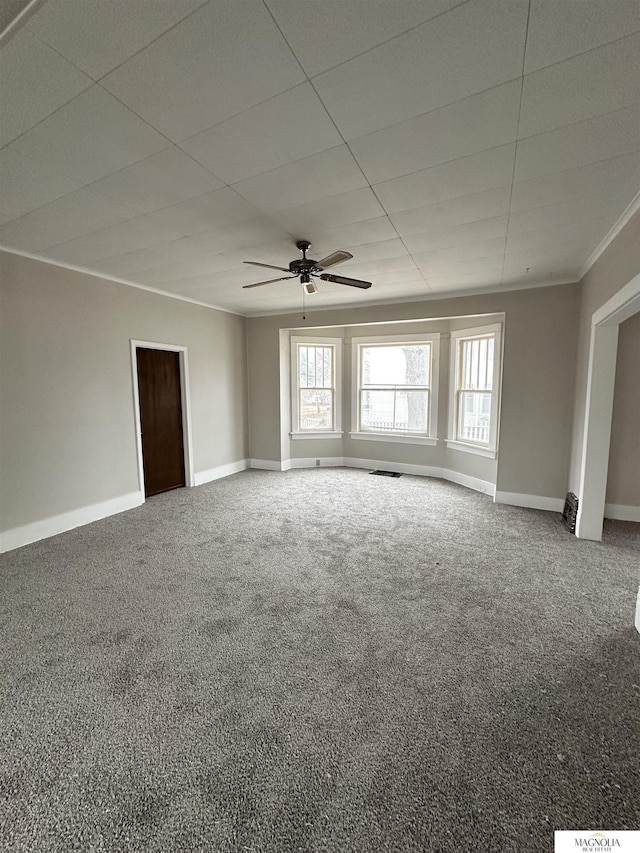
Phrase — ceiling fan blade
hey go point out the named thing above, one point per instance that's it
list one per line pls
(340, 279)
(334, 258)
(268, 266)
(270, 281)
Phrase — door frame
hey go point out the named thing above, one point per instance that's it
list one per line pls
(185, 395)
(603, 354)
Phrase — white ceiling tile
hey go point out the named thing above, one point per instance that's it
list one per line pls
(597, 82)
(475, 173)
(397, 281)
(172, 252)
(457, 254)
(462, 282)
(26, 185)
(558, 31)
(73, 215)
(97, 36)
(472, 266)
(324, 34)
(277, 252)
(368, 270)
(223, 59)
(90, 137)
(474, 47)
(457, 211)
(279, 131)
(600, 138)
(348, 236)
(35, 82)
(561, 256)
(244, 235)
(316, 177)
(513, 278)
(343, 209)
(459, 235)
(472, 125)
(596, 178)
(545, 238)
(114, 240)
(600, 208)
(190, 268)
(163, 179)
(206, 212)
(376, 251)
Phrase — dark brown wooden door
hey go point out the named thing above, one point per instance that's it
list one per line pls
(160, 420)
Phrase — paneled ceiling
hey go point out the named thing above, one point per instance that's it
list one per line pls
(450, 146)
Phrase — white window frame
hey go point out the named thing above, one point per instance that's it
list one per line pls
(452, 442)
(296, 431)
(431, 439)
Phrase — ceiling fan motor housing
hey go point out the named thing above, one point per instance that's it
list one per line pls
(305, 266)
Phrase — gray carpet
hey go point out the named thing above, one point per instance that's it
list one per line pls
(320, 660)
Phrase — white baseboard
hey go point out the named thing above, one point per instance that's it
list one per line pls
(620, 512)
(530, 501)
(266, 464)
(638, 613)
(423, 471)
(202, 477)
(311, 462)
(25, 535)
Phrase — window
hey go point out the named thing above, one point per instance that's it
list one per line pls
(315, 373)
(475, 372)
(395, 389)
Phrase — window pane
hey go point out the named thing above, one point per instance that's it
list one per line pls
(316, 367)
(473, 416)
(416, 406)
(316, 409)
(476, 364)
(396, 365)
(377, 410)
(394, 411)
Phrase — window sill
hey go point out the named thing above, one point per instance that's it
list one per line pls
(474, 449)
(394, 438)
(315, 435)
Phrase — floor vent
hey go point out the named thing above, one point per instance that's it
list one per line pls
(570, 512)
(386, 473)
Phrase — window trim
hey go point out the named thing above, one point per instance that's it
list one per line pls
(312, 340)
(452, 441)
(356, 433)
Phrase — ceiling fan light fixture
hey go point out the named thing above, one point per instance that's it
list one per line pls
(310, 287)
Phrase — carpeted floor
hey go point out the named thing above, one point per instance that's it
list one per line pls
(320, 660)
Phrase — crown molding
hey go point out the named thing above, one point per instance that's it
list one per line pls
(604, 244)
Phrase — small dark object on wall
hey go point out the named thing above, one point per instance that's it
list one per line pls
(386, 473)
(570, 512)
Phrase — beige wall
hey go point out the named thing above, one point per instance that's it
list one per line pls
(623, 482)
(539, 342)
(67, 436)
(617, 265)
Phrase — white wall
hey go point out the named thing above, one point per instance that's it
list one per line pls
(67, 430)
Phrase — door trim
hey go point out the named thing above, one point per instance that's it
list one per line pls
(603, 353)
(183, 354)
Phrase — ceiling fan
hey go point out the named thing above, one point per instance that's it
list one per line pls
(307, 269)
